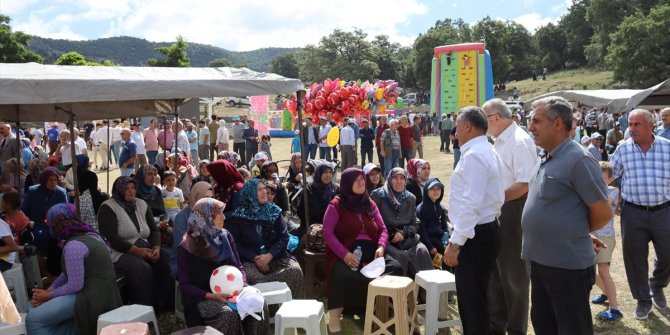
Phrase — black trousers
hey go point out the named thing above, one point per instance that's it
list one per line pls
(240, 149)
(560, 300)
(475, 264)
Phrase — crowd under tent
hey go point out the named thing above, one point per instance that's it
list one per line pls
(651, 98)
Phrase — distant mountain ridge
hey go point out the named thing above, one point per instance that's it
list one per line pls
(133, 51)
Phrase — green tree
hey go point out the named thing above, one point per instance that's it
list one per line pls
(639, 50)
(71, 58)
(175, 55)
(385, 55)
(495, 34)
(442, 33)
(604, 16)
(285, 65)
(551, 44)
(14, 45)
(577, 31)
(219, 62)
(520, 50)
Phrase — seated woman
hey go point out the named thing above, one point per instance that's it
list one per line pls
(261, 235)
(418, 171)
(127, 223)
(294, 172)
(86, 288)
(319, 193)
(90, 197)
(227, 183)
(269, 173)
(398, 209)
(198, 191)
(352, 220)
(373, 177)
(148, 191)
(203, 173)
(205, 247)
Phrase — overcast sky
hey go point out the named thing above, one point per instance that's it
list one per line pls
(247, 25)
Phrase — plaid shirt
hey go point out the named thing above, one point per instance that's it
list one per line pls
(646, 178)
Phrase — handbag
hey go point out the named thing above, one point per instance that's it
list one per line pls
(409, 242)
(315, 240)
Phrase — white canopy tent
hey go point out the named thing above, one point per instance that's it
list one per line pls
(653, 97)
(614, 100)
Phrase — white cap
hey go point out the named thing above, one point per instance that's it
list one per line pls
(250, 302)
(585, 139)
(261, 156)
(369, 167)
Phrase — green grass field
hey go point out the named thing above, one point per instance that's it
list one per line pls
(579, 79)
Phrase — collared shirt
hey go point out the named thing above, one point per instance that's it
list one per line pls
(116, 134)
(182, 143)
(555, 219)
(518, 155)
(128, 151)
(595, 152)
(66, 154)
(663, 132)
(95, 137)
(139, 142)
(192, 135)
(602, 121)
(476, 192)
(347, 136)
(150, 139)
(53, 134)
(367, 137)
(646, 177)
(238, 132)
(311, 139)
(213, 128)
(591, 119)
(324, 132)
(166, 139)
(104, 136)
(447, 124)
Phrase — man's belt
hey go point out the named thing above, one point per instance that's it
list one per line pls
(648, 208)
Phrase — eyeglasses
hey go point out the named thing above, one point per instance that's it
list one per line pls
(489, 115)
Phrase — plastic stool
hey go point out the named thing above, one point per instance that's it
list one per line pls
(305, 314)
(178, 307)
(275, 293)
(15, 275)
(16, 328)
(313, 287)
(437, 283)
(128, 314)
(401, 291)
(135, 328)
(198, 330)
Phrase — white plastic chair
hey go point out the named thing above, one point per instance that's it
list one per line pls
(128, 314)
(275, 293)
(437, 282)
(14, 329)
(15, 276)
(305, 314)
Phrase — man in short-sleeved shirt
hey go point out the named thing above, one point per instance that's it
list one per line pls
(128, 154)
(567, 199)
(53, 134)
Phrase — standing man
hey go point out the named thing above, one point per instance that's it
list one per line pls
(510, 280)
(250, 136)
(591, 120)
(138, 138)
(183, 145)
(367, 138)
(8, 146)
(664, 129)
(204, 139)
(166, 137)
(192, 137)
(347, 143)
(383, 125)
(238, 139)
(94, 141)
(116, 140)
(104, 138)
(310, 134)
(324, 149)
(614, 136)
(567, 199)
(128, 155)
(416, 136)
(53, 133)
(643, 161)
(446, 126)
(151, 141)
(602, 122)
(213, 128)
(475, 196)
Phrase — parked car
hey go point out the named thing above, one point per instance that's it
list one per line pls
(238, 101)
(411, 99)
(514, 104)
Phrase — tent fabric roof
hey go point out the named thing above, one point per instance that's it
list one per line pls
(33, 91)
(615, 100)
(654, 97)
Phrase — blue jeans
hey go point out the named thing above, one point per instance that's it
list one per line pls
(310, 150)
(126, 172)
(324, 153)
(151, 156)
(54, 317)
(391, 162)
(116, 150)
(407, 154)
(457, 156)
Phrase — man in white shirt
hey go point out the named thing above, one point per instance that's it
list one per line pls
(510, 280)
(347, 143)
(80, 143)
(94, 140)
(104, 139)
(64, 150)
(476, 195)
(116, 140)
(137, 136)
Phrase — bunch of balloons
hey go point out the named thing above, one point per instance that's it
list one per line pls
(348, 98)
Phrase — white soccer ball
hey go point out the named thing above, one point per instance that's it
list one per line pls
(226, 279)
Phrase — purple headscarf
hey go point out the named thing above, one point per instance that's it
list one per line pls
(63, 221)
(357, 203)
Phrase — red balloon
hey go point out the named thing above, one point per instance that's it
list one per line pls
(309, 107)
(344, 94)
(319, 103)
(333, 99)
(346, 107)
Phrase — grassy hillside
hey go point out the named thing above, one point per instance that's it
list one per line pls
(578, 79)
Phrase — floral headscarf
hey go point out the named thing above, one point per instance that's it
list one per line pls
(231, 156)
(251, 209)
(413, 167)
(394, 198)
(63, 221)
(36, 166)
(119, 194)
(202, 237)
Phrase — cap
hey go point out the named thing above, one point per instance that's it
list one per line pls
(296, 132)
(584, 139)
(352, 121)
(261, 156)
(596, 136)
(616, 123)
(375, 268)
(251, 302)
(369, 167)
(323, 118)
(236, 117)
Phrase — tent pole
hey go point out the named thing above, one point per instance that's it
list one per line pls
(175, 147)
(19, 151)
(109, 156)
(303, 157)
(73, 154)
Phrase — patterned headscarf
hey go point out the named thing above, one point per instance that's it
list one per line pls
(144, 191)
(63, 221)
(228, 179)
(231, 156)
(394, 198)
(119, 194)
(357, 203)
(251, 209)
(36, 166)
(202, 237)
(413, 167)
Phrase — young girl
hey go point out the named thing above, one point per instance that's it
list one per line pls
(433, 218)
(604, 257)
(265, 145)
(373, 177)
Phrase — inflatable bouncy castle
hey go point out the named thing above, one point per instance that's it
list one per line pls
(461, 76)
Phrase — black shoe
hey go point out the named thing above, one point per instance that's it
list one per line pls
(642, 310)
(658, 297)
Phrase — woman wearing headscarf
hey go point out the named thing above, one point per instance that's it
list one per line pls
(90, 197)
(86, 288)
(418, 171)
(261, 235)
(373, 177)
(231, 156)
(294, 171)
(352, 220)
(198, 191)
(203, 173)
(269, 173)
(148, 191)
(37, 202)
(398, 209)
(127, 223)
(206, 246)
(222, 136)
(228, 182)
(35, 168)
(319, 193)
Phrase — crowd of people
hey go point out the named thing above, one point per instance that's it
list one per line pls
(186, 204)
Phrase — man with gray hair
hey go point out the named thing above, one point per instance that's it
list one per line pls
(8, 146)
(128, 155)
(510, 280)
(664, 129)
(567, 199)
(476, 195)
(643, 161)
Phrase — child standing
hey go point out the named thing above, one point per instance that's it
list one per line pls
(295, 142)
(173, 197)
(604, 257)
(7, 247)
(265, 145)
(433, 230)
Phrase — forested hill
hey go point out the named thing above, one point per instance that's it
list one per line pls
(132, 51)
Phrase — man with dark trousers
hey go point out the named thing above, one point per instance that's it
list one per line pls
(476, 195)
(567, 199)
